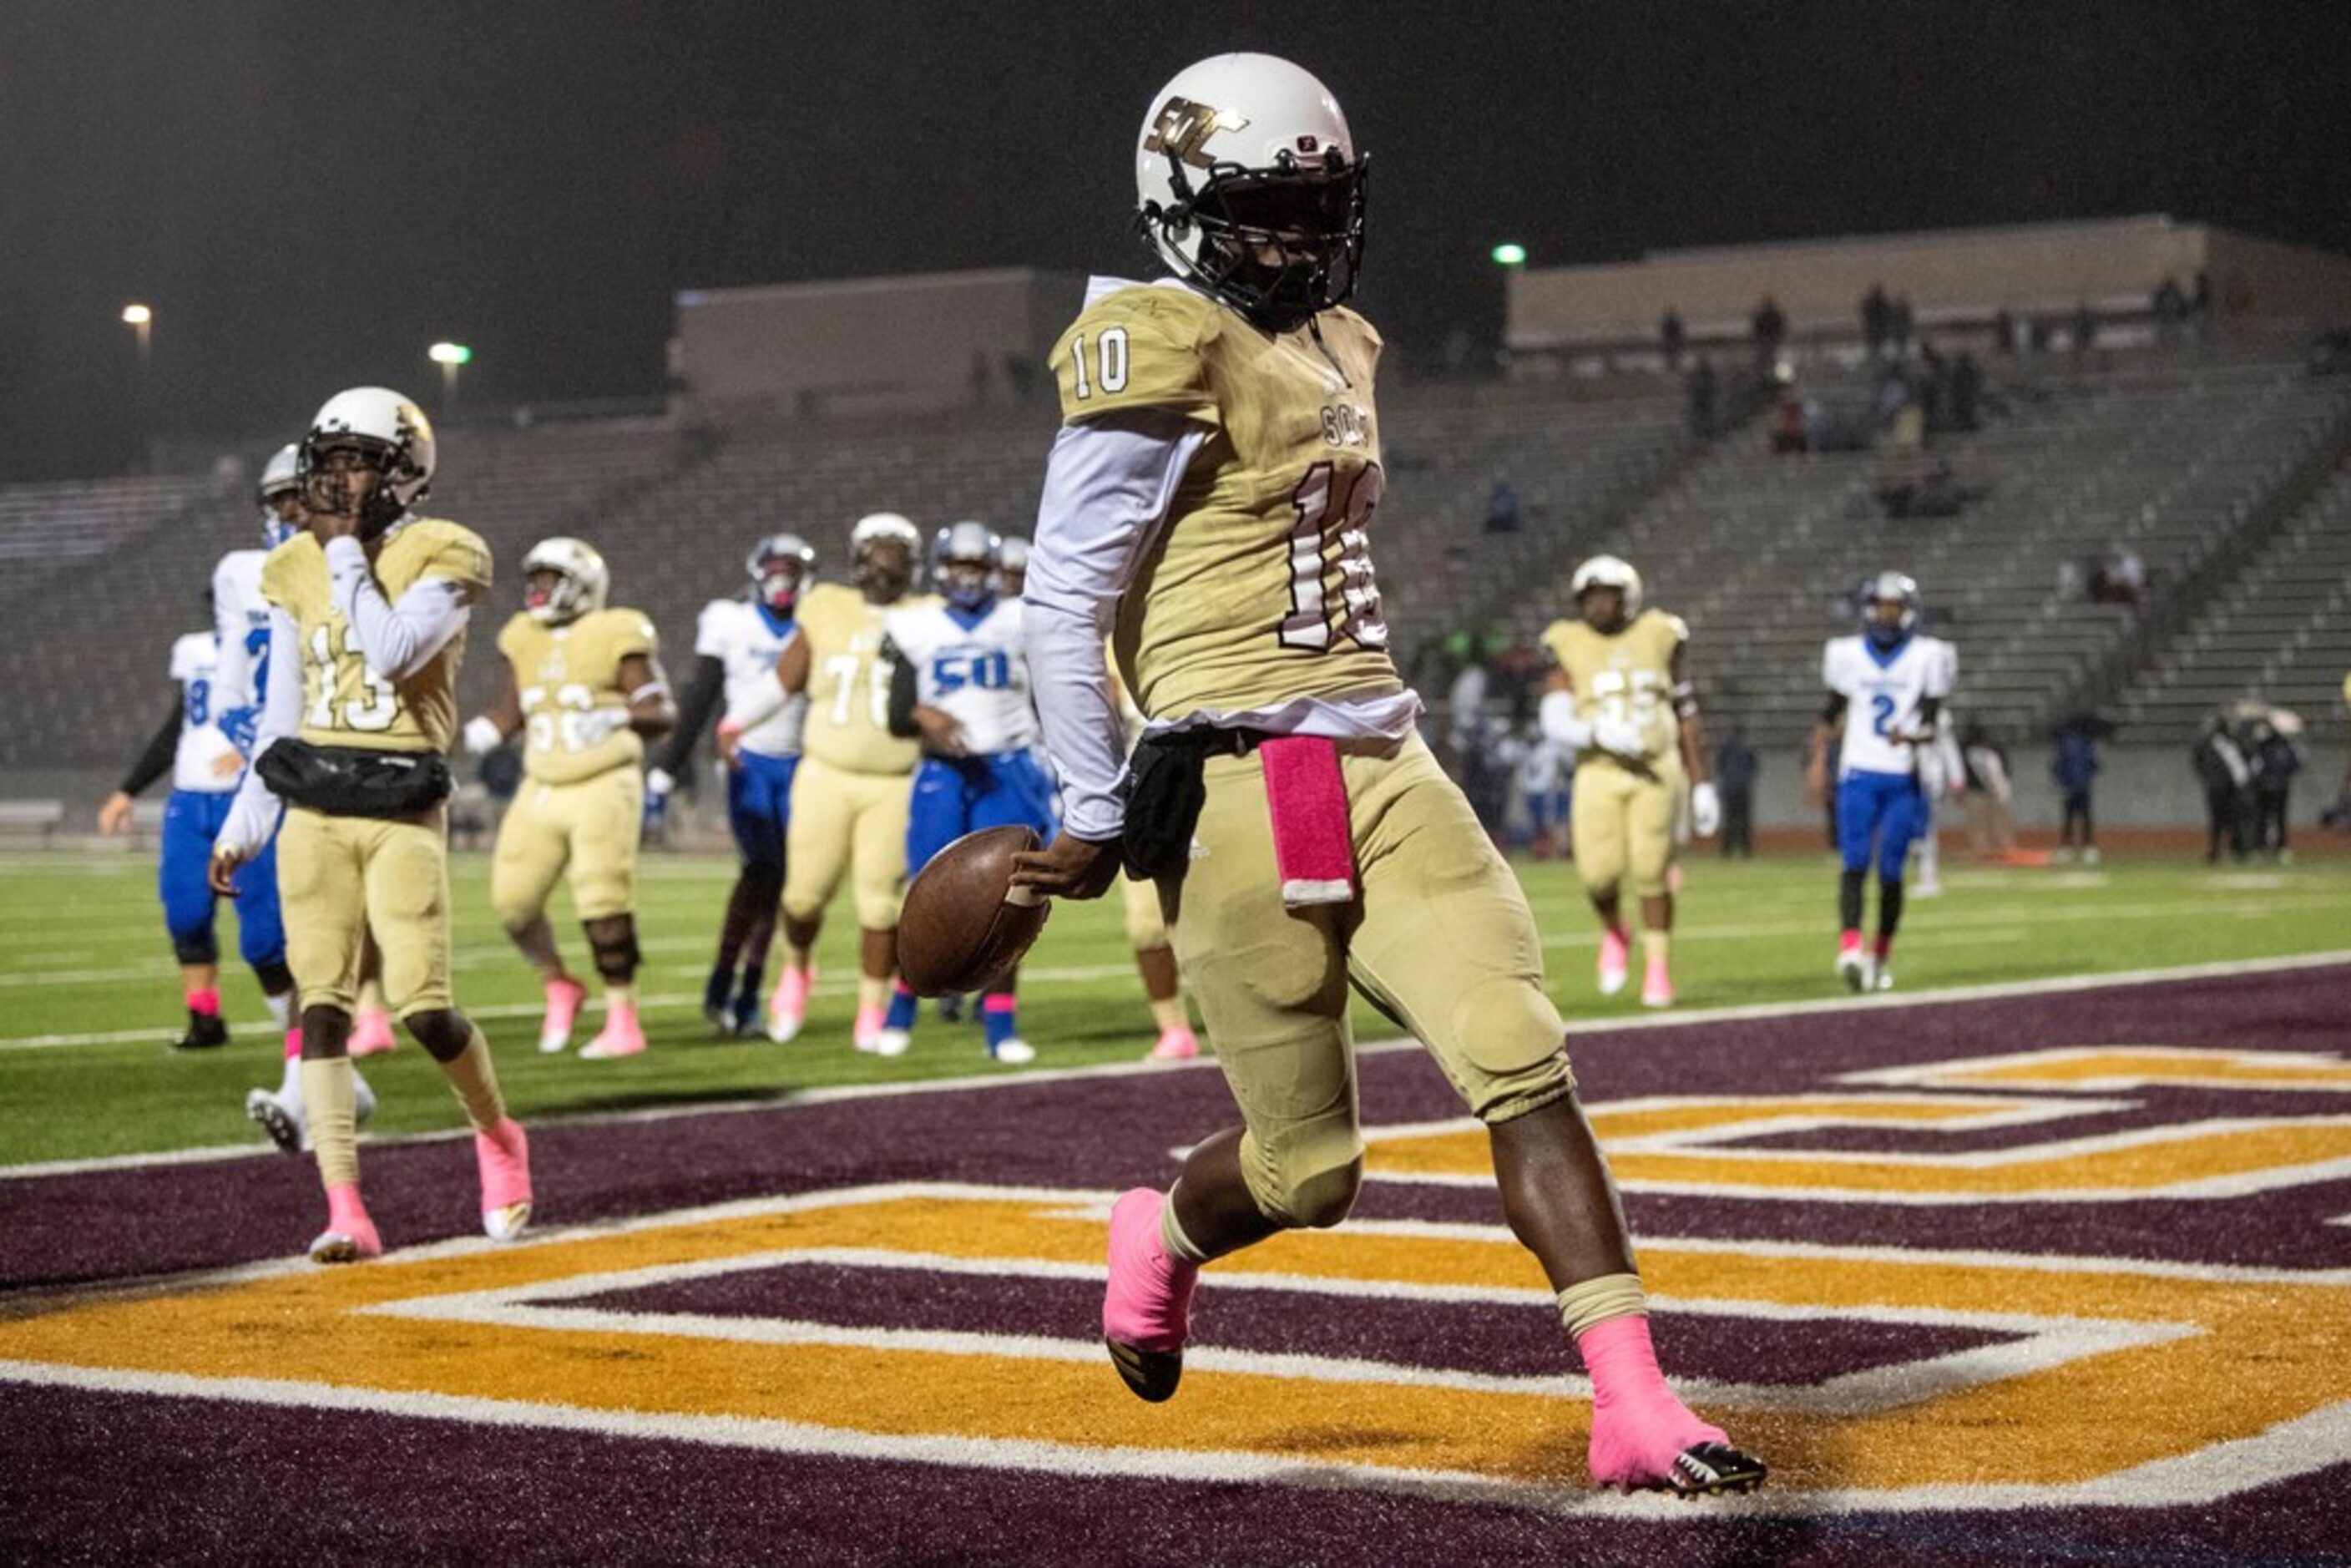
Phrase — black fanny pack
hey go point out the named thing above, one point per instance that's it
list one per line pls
(1165, 792)
(352, 781)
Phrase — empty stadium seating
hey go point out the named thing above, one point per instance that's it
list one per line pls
(2194, 459)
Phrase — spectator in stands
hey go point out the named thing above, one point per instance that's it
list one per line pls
(2220, 766)
(1966, 392)
(2275, 759)
(1991, 829)
(1502, 516)
(1705, 395)
(1672, 335)
(1790, 426)
(2119, 579)
(1898, 323)
(2170, 307)
(2003, 331)
(1936, 492)
(1877, 319)
(2085, 328)
(2074, 765)
(1769, 326)
(1735, 767)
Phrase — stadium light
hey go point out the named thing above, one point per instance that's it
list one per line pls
(449, 356)
(1510, 253)
(137, 315)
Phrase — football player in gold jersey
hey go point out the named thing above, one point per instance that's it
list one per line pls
(851, 792)
(584, 685)
(367, 613)
(1621, 699)
(1209, 502)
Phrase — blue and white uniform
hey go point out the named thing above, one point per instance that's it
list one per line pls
(1880, 802)
(747, 639)
(974, 665)
(241, 622)
(205, 769)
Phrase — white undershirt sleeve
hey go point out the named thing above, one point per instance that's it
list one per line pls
(253, 816)
(396, 640)
(1108, 487)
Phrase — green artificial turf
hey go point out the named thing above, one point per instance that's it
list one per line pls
(88, 991)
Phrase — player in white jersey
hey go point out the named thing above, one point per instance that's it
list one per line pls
(959, 680)
(1885, 688)
(737, 643)
(205, 766)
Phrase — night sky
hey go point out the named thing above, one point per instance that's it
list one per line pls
(309, 194)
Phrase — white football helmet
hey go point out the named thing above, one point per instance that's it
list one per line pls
(397, 439)
(1248, 185)
(1012, 564)
(1889, 588)
(581, 580)
(280, 475)
(884, 527)
(964, 559)
(1608, 571)
(780, 566)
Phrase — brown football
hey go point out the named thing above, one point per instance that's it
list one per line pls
(963, 923)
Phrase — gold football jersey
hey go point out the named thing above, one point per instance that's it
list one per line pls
(1259, 590)
(344, 703)
(1627, 676)
(564, 674)
(849, 682)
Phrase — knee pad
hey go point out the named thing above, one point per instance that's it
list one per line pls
(1323, 1198)
(442, 1031)
(196, 946)
(616, 959)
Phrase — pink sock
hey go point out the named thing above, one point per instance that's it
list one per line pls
(1638, 1427)
(206, 1002)
(294, 1044)
(345, 1212)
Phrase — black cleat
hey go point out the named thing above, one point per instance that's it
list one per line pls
(951, 1006)
(1153, 1375)
(1713, 1469)
(205, 1032)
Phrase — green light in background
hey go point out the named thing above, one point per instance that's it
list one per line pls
(450, 354)
(1510, 254)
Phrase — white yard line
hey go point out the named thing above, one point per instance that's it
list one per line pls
(2060, 984)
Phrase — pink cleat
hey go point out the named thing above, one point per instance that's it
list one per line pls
(1658, 985)
(1645, 1438)
(622, 1035)
(349, 1235)
(1147, 1306)
(372, 1032)
(503, 1156)
(1178, 1044)
(1615, 955)
(564, 996)
(788, 1009)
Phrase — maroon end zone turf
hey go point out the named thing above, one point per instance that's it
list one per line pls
(88, 1476)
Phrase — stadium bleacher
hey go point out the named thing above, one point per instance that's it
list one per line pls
(2186, 456)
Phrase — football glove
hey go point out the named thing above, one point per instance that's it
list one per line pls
(1706, 810)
